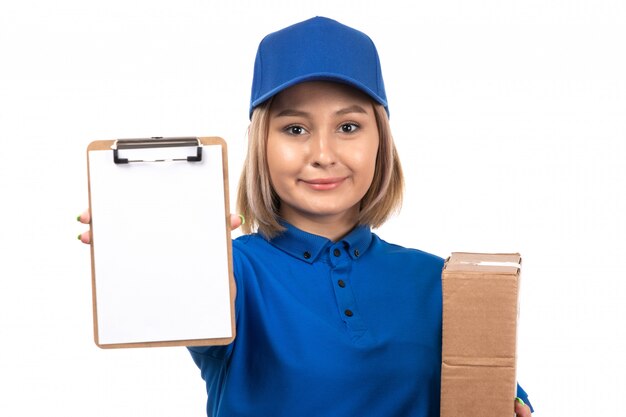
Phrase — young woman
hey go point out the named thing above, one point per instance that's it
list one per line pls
(331, 320)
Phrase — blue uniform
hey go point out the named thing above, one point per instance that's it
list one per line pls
(346, 328)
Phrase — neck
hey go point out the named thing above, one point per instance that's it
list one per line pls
(331, 227)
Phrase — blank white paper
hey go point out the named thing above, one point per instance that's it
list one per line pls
(160, 246)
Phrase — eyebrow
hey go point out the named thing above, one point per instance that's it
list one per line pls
(292, 112)
(350, 109)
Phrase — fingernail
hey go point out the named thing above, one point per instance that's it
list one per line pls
(519, 400)
(80, 236)
(243, 219)
(78, 218)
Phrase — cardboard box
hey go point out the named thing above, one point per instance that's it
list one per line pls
(480, 311)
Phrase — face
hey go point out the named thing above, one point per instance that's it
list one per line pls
(321, 152)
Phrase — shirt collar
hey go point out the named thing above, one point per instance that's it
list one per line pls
(308, 247)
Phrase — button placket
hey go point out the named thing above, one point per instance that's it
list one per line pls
(344, 296)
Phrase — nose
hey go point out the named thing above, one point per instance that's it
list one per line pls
(322, 150)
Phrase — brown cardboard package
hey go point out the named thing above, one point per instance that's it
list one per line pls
(480, 311)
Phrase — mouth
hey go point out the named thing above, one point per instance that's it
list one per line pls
(324, 184)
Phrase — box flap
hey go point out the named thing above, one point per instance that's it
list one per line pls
(499, 263)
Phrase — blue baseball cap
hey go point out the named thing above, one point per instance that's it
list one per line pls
(316, 49)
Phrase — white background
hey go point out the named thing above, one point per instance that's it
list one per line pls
(510, 121)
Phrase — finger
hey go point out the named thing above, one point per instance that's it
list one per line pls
(85, 237)
(236, 220)
(84, 217)
(522, 410)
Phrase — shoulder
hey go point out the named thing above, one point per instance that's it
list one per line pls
(251, 246)
(244, 251)
(251, 252)
(399, 253)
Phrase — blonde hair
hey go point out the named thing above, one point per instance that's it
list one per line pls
(259, 204)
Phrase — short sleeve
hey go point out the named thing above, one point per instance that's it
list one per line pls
(524, 397)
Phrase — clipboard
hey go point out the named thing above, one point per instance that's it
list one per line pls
(161, 255)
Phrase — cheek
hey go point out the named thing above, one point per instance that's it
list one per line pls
(282, 158)
(363, 160)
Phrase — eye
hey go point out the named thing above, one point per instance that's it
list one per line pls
(348, 128)
(295, 130)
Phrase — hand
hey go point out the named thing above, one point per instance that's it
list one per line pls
(521, 409)
(85, 218)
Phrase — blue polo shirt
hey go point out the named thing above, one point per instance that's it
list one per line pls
(346, 328)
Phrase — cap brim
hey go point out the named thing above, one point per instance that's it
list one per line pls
(319, 77)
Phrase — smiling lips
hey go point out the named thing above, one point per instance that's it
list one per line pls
(324, 184)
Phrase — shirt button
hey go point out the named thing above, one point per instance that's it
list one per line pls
(348, 313)
(356, 253)
(307, 255)
(341, 283)
(336, 252)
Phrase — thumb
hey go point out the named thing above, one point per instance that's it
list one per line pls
(236, 220)
(521, 409)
